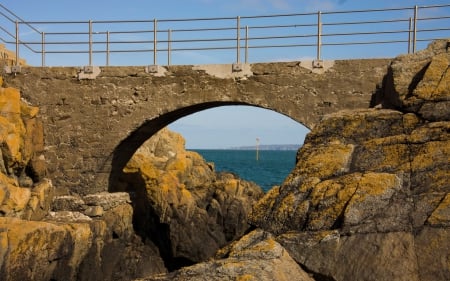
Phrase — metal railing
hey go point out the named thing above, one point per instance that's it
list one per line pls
(337, 34)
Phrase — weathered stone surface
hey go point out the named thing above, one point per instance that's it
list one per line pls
(375, 256)
(93, 126)
(432, 246)
(107, 200)
(421, 80)
(256, 256)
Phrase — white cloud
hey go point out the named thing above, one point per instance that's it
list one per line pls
(280, 4)
(320, 5)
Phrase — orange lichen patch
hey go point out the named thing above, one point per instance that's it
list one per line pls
(436, 80)
(326, 160)
(139, 163)
(410, 121)
(354, 125)
(441, 215)
(264, 204)
(9, 101)
(286, 208)
(430, 154)
(179, 163)
(308, 184)
(28, 111)
(12, 135)
(168, 181)
(246, 277)
(385, 154)
(232, 186)
(376, 184)
(82, 238)
(329, 199)
(430, 132)
(265, 245)
(16, 200)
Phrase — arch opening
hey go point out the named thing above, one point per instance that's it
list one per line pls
(193, 221)
(257, 144)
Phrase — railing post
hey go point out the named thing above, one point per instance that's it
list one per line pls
(43, 48)
(155, 42)
(409, 35)
(319, 35)
(17, 43)
(169, 46)
(238, 39)
(90, 42)
(246, 44)
(415, 29)
(107, 48)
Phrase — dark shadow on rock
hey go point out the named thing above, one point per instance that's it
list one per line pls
(146, 222)
(385, 94)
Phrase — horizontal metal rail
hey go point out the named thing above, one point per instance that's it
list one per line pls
(304, 34)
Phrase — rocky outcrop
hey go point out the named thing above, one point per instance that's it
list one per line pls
(182, 204)
(80, 238)
(72, 246)
(369, 197)
(257, 256)
(24, 191)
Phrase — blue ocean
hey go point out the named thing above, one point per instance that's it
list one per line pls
(266, 168)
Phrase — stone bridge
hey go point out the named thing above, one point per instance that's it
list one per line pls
(94, 122)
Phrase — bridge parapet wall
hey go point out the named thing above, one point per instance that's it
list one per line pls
(93, 126)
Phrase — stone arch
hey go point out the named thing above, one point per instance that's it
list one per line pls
(87, 122)
(128, 146)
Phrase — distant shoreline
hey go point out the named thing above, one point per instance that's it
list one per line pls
(280, 147)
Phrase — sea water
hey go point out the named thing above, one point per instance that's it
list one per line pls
(266, 168)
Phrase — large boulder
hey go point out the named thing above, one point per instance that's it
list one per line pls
(255, 257)
(69, 245)
(369, 197)
(420, 83)
(182, 204)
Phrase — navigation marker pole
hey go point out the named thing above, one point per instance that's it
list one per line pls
(257, 149)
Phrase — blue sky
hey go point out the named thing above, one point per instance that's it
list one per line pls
(224, 126)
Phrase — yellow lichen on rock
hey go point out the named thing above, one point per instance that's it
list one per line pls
(431, 154)
(436, 79)
(329, 199)
(441, 215)
(372, 195)
(246, 277)
(28, 111)
(326, 160)
(15, 200)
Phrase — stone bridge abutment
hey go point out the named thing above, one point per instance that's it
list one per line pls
(92, 127)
